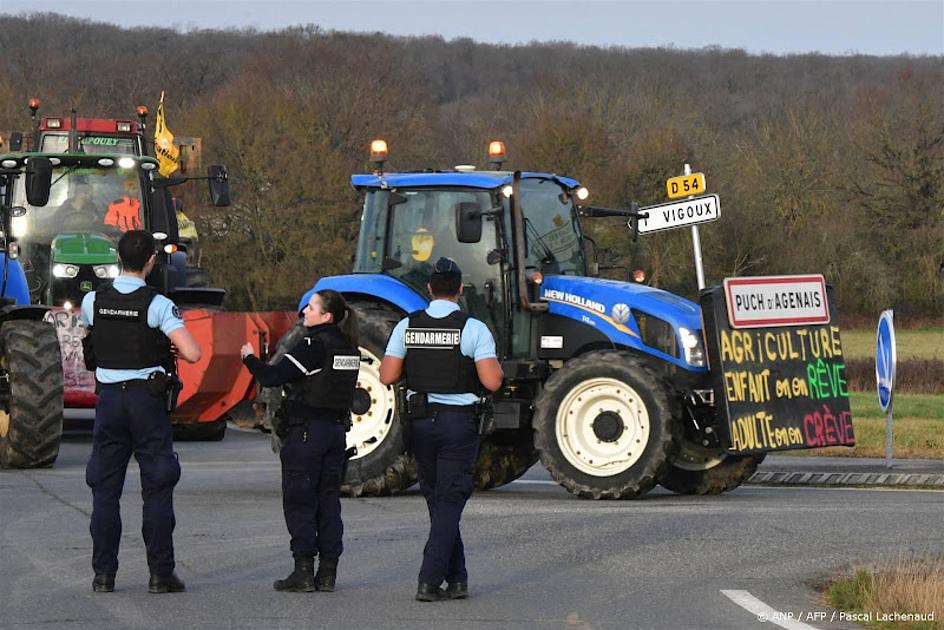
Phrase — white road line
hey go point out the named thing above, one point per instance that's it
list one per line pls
(543, 482)
(765, 613)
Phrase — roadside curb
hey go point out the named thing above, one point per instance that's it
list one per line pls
(846, 479)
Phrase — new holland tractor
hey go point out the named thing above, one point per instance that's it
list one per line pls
(605, 381)
(30, 362)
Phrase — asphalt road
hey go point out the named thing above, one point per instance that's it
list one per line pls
(538, 557)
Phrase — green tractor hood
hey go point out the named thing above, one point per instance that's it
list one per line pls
(84, 248)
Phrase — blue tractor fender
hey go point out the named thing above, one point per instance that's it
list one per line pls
(373, 286)
(16, 286)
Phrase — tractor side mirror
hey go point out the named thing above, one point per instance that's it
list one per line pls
(16, 141)
(219, 185)
(468, 222)
(38, 180)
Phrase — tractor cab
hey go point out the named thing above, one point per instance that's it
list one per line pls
(69, 246)
(411, 219)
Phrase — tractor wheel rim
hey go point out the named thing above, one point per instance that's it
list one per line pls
(695, 458)
(578, 427)
(4, 424)
(370, 428)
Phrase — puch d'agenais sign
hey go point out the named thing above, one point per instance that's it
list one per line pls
(777, 364)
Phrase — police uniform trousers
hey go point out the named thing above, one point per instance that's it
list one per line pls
(445, 446)
(313, 465)
(132, 420)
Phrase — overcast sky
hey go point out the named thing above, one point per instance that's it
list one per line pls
(759, 26)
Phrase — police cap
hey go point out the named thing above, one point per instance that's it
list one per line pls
(446, 266)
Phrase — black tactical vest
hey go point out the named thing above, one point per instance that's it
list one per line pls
(120, 332)
(333, 386)
(434, 362)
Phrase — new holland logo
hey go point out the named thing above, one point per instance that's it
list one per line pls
(621, 313)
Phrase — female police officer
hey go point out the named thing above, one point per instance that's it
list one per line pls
(320, 375)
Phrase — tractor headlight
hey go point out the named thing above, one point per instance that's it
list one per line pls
(106, 271)
(691, 347)
(61, 270)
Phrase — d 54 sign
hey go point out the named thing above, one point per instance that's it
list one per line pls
(685, 185)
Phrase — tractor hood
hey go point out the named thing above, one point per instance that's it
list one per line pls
(612, 307)
(84, 248)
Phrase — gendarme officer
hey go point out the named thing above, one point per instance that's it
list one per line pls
(449, 361)
(132, 328)
(320, 374)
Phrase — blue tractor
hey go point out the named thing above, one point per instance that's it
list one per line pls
(606, 381)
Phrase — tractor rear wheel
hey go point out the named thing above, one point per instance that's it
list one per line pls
(603, 425)
(31, 416)
(501, 461)
(381, 466)
(699, 470)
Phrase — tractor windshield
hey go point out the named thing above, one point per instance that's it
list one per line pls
(59, 143)
(96, 203)
(552, 231)
(405, 232)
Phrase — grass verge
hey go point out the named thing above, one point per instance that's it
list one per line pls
(918, 428)
(905, 594)
(912, 343)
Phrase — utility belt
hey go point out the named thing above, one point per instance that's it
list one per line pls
(166, 386)
(293, 413)
(418, 407)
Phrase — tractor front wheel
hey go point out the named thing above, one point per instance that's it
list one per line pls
(603, 425)
(31, 414)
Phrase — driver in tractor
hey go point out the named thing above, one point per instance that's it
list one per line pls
(80, 208)
(125, 213)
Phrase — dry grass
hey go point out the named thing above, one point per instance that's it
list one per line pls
(911, 584)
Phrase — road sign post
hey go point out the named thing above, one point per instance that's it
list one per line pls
(886, 360)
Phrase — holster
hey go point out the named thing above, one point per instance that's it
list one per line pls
(485, 416)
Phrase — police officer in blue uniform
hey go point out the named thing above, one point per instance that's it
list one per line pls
(132, 329)
(449, 362)
(320, 375)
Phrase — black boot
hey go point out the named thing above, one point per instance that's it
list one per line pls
(165, 584)
(457, 590)
(103, 583)
(327, 574)
(429, 593)
(301, 580)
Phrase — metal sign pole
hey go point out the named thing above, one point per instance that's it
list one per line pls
(696, 245)
(886, 359)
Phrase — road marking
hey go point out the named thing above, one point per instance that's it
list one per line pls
(542, 482)
(765, 613)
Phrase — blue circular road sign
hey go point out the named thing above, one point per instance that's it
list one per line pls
(885, 359)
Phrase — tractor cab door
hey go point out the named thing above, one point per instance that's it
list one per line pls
(422, 228)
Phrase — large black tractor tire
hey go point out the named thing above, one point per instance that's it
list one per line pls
(200, 431)
(695, 470)
(604, 425)
(381, 466)
(31, 421)
(501, 460)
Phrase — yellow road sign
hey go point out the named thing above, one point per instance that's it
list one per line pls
(685, 185)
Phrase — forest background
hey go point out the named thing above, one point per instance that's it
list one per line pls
(824, 164)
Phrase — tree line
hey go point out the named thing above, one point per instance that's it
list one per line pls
(823, 164)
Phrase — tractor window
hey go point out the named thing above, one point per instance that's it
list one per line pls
(423, 228)
(552, 232)
(59, 143)
(370, 242)
(88, 210)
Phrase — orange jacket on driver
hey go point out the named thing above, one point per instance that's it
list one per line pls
(124, 214)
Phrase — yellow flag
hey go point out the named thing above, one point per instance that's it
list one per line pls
(167, 152)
